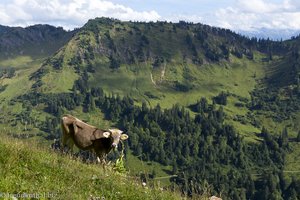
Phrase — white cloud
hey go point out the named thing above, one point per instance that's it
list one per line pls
(292, 4)
(256, 14)
(67, 13)
(251, 15)
(257, 6)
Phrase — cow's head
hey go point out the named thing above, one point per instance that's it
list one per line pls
(116, 136)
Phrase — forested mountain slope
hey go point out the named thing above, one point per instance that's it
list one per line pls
(37, 40)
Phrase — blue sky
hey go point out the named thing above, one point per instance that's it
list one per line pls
(246, 15)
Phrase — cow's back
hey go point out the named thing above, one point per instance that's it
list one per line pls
(83, 137)
(79, 131)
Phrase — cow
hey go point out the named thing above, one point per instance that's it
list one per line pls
(87, 137)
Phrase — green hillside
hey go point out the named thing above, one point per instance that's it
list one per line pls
(164, 63)
(34, 170)
(203, 102)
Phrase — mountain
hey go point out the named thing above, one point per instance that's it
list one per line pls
(272, 34)
(169, 55)
(33, 40)
(3, 28)
(209, 105)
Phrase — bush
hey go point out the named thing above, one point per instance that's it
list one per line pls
(221, 99)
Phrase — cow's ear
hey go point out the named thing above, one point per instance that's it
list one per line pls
(106, 134)
(124, 137)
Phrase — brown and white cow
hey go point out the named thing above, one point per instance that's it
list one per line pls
(87, 137)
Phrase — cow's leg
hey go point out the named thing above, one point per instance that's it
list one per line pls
(101, 158)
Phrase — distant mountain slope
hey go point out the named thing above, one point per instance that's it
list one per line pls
(162, 54)
(169, 63)
(153, 58)
(3, 29)
(33, 40)
(272, 34)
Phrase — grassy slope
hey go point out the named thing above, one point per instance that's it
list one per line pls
(28, 168)
(293, 158)
(16, 86)
(137, 167)
(236, 77)
(20, 83)
(59, 82)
